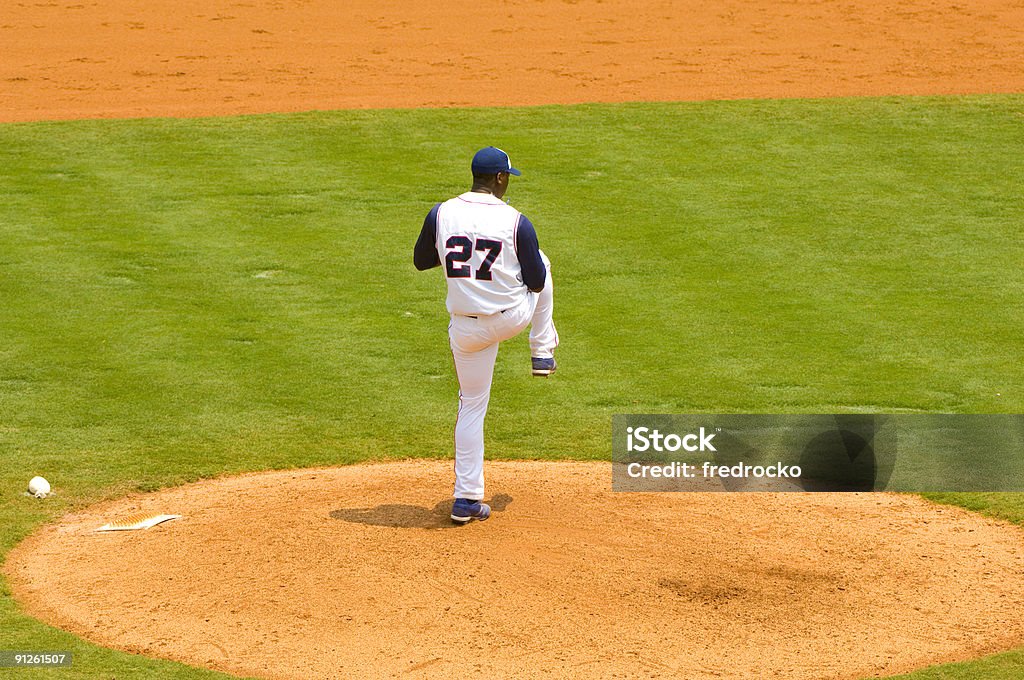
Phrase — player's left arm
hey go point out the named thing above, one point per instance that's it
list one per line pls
(535, 274)
(424, 255)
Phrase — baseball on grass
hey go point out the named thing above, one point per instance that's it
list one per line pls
(39, 487)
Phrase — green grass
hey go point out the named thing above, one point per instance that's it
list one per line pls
(188, 298)
(1006, 666)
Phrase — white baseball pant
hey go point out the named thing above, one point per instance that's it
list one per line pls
(474, 343)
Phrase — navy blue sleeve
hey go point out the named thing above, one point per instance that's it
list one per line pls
(528, 250)
(424, 255)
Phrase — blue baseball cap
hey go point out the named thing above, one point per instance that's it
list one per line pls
(491, 160)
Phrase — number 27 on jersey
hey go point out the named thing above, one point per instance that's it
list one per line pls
(460, 250)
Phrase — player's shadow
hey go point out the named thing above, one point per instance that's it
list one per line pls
(411, 516)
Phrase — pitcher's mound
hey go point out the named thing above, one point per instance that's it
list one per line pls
(357, 572)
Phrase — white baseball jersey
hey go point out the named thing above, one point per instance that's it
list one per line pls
(476, 242)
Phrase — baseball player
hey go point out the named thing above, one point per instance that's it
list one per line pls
(499, 282)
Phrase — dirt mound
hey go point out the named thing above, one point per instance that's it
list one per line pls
(121, 58)
(357, 572)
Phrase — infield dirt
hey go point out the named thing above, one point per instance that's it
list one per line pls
(119, 58)
(357, 572)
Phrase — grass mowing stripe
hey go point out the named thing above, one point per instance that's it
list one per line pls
(191, 297)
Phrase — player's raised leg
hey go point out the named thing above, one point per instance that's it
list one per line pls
(543, 336)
